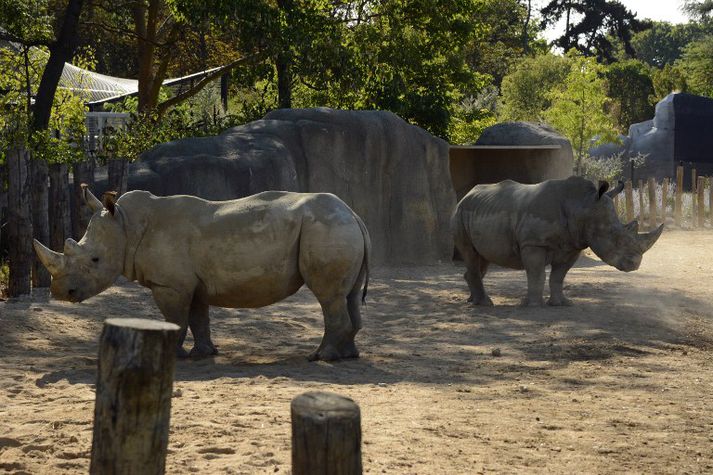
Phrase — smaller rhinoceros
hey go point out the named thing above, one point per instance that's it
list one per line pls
(549, 223)
(243, 253)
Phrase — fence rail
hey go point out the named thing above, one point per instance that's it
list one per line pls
(653, 203)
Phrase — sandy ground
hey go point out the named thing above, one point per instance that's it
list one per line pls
(621, 382)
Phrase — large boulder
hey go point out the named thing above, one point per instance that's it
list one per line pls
(394, 175)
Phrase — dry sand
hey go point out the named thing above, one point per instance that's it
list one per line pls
(621, 382)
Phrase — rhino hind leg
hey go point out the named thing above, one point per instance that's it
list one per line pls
(476, 268)
(339, 332)
(199, 323)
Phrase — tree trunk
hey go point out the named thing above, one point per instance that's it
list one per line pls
(40, 218)
(19, 223)
(60, 225)
(284, 82)
(3, 204)
(83, 173)
(118, 171)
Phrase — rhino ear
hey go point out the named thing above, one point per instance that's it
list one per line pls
(603, 187)
(91, 200)
(109, 201)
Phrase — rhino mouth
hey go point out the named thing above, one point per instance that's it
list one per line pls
(628, 265)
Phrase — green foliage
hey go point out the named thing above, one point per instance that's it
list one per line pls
(664, 42)
(526, 89)
(472, 116)
(578, 108)
(610, 169)
(668, 79)
(630, 88)
(697, 66)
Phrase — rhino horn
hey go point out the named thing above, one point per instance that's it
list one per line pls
(632, 227)
(71, 247)
(613, 192)
(646, 240)
(53, 261)
(91, 200)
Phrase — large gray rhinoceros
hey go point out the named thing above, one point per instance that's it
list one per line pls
(244, 253)
(550, 223)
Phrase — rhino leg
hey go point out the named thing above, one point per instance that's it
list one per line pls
(534, 259)
(199, 323)
(174, 306)
(338, 339)
(559, 271)
(476, 267)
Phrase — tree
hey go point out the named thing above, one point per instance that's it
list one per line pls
(526, 90)
(599, 22)
(578, 108)
(663, 43)
(630, 88)
(697, 66)
(668, 79)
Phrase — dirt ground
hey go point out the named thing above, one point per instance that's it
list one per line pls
(621, 382)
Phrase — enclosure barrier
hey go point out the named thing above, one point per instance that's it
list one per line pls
(326, 435)
(137, 358)
(654, 201)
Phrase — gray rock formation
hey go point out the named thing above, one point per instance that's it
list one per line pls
(394, 175)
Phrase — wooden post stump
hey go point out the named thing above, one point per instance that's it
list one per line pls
(664, 198)
(326, 435)
(133, 402)
(701, 189)
(710, 199)
(629, 198)
(641, 203)
(678, 199)
(653, 213)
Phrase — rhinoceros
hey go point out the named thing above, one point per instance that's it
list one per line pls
(243, 253)
(531, 226)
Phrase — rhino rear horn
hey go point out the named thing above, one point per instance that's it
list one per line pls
(612, 193)
(646, 240)
(53, 261)
(91, 200)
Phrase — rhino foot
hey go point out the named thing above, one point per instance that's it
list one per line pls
(528, 302)
(181, 353)
(331, 353)
(483, 301)
(559, 302)
(202, 350)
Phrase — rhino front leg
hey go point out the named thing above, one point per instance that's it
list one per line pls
(175, 307)
(534, 260)
(559, 271)
(199, 323)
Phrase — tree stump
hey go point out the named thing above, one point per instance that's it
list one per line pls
(133, 402)
(677, 211)
(653, 213)
(326, 435)
(629, 197)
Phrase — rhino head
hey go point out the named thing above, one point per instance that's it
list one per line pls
(619, 245)
(89, 266)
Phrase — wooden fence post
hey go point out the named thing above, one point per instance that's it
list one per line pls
(664, 198)
(694, 195)
(653, 213)
(641, 201)
(678, 199)
(629, 197)
(133, 402)
(710, 199)
(701, 187)
(326, 435)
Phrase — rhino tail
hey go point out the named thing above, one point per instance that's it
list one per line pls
(365, 262)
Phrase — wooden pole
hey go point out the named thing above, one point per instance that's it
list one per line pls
(641, 201)
(133, 403)
(629, 198)
(326, 435)
(710, 199)
(678, 199)
(664, 198)
(653, 213)
(616, 204)
(701, 187)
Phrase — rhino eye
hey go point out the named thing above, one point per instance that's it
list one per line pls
(95, 259)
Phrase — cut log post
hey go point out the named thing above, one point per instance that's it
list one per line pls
(710, 199)
(694, 195)
(629, 197)
(326, 435)
(678, 199)
(701, 188)
(641, 203)
(653, 213)
(616, 204)
(133, 402)
(664, 198)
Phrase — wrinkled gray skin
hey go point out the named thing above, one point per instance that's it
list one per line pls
(532, 226)
(243, 253)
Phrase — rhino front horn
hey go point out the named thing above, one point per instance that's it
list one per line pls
(646, 240)
(53, 261)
